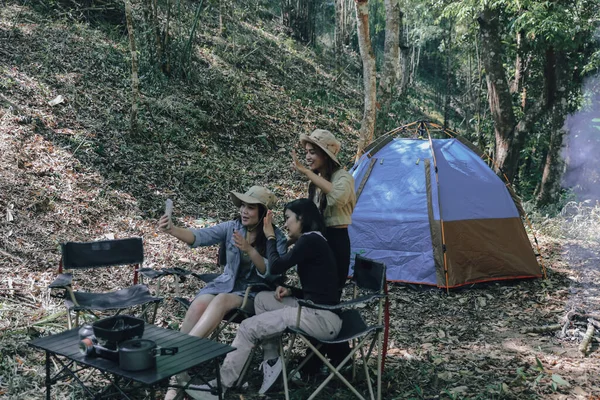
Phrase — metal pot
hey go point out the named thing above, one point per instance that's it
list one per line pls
(140, 354)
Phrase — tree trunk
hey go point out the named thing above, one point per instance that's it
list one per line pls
(367, 125)
(391, 53)
(156, 27)
(404, 57)
(498, 91)
(135, 92)
(556, 76)
(447, 94)
(349, 22)
(516, 83)
(166, 67)
(340, 24)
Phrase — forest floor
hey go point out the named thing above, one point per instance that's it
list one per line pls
(71, 172)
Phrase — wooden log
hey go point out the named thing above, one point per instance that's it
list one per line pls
(542, 329)
(587, 338)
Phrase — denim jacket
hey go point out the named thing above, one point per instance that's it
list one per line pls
(225, 282)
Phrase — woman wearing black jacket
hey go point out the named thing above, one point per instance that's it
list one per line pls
(275, 311)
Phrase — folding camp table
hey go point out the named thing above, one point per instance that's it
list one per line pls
(192, 352)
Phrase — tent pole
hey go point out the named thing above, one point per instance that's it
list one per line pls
(424, 125)
(451, 133)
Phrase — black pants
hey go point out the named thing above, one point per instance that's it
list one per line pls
(339, 241)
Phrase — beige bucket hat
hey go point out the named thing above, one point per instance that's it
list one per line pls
(254, 195)
(325, 140)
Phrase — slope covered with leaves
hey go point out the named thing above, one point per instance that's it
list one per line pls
(72, 171)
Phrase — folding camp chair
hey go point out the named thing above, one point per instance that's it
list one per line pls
(180, 275)
(369, 283)
(93, 255)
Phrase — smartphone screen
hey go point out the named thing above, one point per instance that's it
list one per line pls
(169, 207)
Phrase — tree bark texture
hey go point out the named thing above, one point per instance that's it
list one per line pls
(135, 83)
(367, 126)
(340, 25)
(499, 97)
(516, 82)
(556, 77)
(391, 52)
(404, 57)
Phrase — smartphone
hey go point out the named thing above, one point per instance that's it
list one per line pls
(169, 207)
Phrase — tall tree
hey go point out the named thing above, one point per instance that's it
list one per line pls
(367, 126)
(135, 82)
(510, 134)
(391, 53)
(404, 71)
(342, 26)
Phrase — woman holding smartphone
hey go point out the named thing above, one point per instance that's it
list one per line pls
(245, 245)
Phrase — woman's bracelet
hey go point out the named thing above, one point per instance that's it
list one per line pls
(271, 237)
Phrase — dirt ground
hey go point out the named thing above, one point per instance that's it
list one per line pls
(466, 344)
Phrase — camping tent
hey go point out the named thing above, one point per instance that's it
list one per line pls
(436, 214)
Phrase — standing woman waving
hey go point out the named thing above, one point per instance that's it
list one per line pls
(331, 188)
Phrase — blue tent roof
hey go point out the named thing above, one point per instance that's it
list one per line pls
(391, 221)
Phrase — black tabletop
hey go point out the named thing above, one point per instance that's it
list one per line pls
(192, 352)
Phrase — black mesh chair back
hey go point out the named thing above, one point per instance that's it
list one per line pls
(369, 274)
(101, 254)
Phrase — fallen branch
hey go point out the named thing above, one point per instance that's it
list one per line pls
(49, 318)
(11, 256)
(594, 322)
(542, 329)
(566, 322)
(589, 334)
(594, 316)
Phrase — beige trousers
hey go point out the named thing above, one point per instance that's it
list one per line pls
(271, 319)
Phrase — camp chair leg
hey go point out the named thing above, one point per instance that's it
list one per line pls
(69, 321)
(283, 364)
(334, 371)
(366, 368)
(177, 287)
(380, 363)
(154, 313)
(215, 334)
(238, 383)
(306, 359)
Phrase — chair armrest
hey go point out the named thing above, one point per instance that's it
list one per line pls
(206, 277)
(361, 300)
(260, 287)
(177, 271)
(151, 273)
(62, 281)
(328, 307)
(342, 305)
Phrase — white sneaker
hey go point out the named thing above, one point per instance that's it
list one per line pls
(172, 392)
(202, 392)
(199, 395)
(270, 373)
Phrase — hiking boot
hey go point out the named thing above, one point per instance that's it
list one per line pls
(271, 371)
